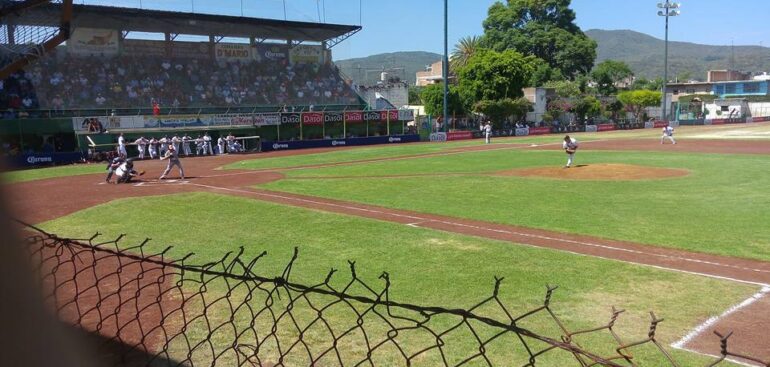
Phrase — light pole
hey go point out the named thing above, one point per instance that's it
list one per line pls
(668, 9)
(445, 65)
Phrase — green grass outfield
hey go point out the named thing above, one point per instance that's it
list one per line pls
(427, 267)
(720, 207)
(51, 172)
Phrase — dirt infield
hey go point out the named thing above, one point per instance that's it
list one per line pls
(42, 200)
(604, 171)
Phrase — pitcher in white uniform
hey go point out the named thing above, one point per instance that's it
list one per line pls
(570, 146)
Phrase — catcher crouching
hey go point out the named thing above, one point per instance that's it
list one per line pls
(126, 171)
(570, 146)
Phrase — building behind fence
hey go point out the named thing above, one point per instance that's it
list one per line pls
(161, 311)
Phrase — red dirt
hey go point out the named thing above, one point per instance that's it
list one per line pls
(43, 200)
(606, 171)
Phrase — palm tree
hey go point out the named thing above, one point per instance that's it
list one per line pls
(463, 51)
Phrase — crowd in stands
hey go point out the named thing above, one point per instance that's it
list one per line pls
(61, 82)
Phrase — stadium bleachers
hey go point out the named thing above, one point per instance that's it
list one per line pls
(66, 82)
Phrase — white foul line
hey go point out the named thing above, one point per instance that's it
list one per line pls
(420, 220)
(712, 320)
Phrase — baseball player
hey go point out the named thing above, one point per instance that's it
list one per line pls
(186, 145)
(113, 165)
(173, 160)
(141, 143)
(199, 145)
(207, 144)
(163, 145)
(668, 132)
(230, 142)
(122, 145)
(221, 145)
(176, 141)
(153, 148)
(570, 146)
(487, 133)
(126, 172)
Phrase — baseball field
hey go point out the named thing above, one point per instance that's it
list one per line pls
(680, 230)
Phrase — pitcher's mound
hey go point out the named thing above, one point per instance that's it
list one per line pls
(602, 171)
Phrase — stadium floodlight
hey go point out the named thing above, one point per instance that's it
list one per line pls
(669, 10)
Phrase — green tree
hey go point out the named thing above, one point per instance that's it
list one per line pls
(637, 100)
(492, 75)
(544, 74)
(502, 109)
(564, 88)
(648, 84)
(414, 95)
(587, 107)
(608, 74)
(543, 28)
(463, 51)
(432, 98)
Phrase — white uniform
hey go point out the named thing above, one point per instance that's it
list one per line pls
(122, 146)
(207, 145)
(141, 143)
(668, 132)
(153, 148)
(221, 145)
(173, 160)
(163, 146)
(175, 140)
(186, 145)
(487, 133)
(572, 145)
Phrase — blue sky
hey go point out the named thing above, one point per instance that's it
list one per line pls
(417, 25)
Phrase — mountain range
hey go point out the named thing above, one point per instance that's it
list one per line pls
(643, 53)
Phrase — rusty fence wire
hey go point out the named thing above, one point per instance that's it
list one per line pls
(149, 309)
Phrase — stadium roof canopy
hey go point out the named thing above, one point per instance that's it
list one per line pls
(175, 23)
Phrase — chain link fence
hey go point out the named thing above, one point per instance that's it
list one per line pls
(163, 312)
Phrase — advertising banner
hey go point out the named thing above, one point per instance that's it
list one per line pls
(353, 117)
(405, 115)
(374, 116)
(605, 127)
(151, 122)
(539, 130)
(233, 52)
(331, 117)
(390, 115)
(143, 48)
(522, 131)
(291, 118)
(459, 135)
(306, 54)
(37, 159)
(271, 52)
(660, 124)
(302, 144)
(267, 119)
(99, 123)
(591, 128)
(132, 47)
(191, 50)
(438, 137)
(93, 41)
(313, 118)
